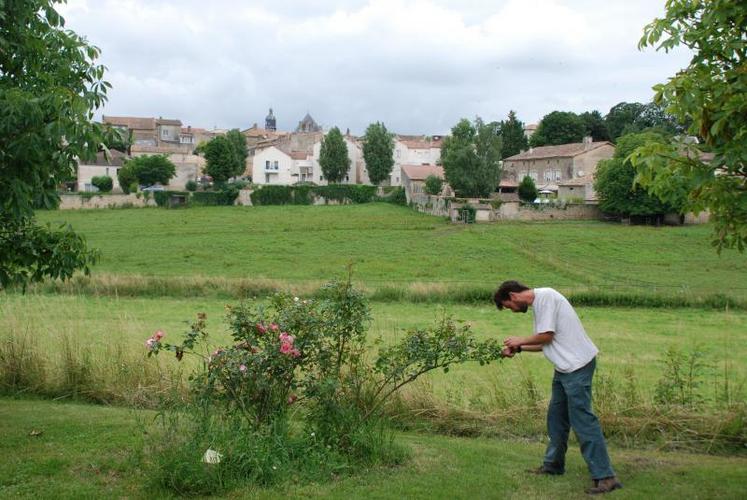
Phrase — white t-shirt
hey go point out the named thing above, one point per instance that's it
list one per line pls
(570, 348)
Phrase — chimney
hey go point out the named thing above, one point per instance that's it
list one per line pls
(189, 128)
(587, 142)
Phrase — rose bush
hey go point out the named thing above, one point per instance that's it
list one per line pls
(312, 356)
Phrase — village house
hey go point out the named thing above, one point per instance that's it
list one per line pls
(551, 166)
(154, 136)
(294, 158)
(414, 150)
(414, 176)
(101, 166)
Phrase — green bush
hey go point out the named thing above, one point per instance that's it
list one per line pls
(223, 197)
(127, 176)
(433, 185)
(104, 183)
(191, 186)
(273, 195)
(396, 196)
(355, 193)
(528, 190)
(162, 197)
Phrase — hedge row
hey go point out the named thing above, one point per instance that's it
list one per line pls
(304, 194)
(199, 198)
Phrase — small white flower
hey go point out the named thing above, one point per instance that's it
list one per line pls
(296, 299)
(312, 434)
(274, 468)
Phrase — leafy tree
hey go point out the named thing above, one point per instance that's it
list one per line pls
(512, 134)
(471, 158)
(104, 183)
(558, 127)
(631, 117)
(49, 89)
(127, 177)
(238, 141)
(378, 148)
(119, 140)
(527, 190)
(222, 159)
(191, 186)
(149, 170)
(623, 119)
(709, 95)
(595, 126)
(433, 184)
(333, 157)
(615, 182)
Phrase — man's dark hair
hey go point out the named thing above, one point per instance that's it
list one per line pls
(507, 287)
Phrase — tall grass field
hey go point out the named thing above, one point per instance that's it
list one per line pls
(78, 393)
(396, 246)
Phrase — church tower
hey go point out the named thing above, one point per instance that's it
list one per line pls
(270, 122)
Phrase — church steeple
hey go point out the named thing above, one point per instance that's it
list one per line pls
(270, 123)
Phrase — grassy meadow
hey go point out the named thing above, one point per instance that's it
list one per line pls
(83, 342)
(396, 245)
(64, 450)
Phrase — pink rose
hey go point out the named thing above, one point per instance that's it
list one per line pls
(158, 335)
(150, 343)
(295, 353)
(285, 337)
(274, 327)
(261, 329)
(242, 368)
(286, 348)
(292, 399)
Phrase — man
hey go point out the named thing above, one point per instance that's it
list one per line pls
(558, 333)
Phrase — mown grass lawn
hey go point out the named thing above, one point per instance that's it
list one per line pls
(390, 244)
(84, 451)
(632, 341)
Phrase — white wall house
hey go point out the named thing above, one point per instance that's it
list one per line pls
(413, 151)
(273, 166)
(355, 155)
(101, 166)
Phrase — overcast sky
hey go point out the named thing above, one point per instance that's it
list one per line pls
(418, 66)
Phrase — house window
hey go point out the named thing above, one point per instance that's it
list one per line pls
(321, 177)
(533, 175)
(267, 165)
(558, 175)
(548, 175)
(107, 171)
(267, 178)
(347, 178)
(275, 165)
(164, 133)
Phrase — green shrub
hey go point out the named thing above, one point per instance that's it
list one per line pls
(273, 195)
(527, 190)
(396, 196)
(104, 183)
(127, 176)
(355, 193)
(191, 186)
(433, 185)
(163, 197)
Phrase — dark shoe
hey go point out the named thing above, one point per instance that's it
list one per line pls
(605, 486)
(544, 471)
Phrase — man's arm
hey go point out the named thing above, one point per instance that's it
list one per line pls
(531, 343)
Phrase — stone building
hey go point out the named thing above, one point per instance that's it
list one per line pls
(101, 166)
(551, 166)
(307, 125)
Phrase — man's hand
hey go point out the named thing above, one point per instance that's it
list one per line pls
(507, 352)
(513, 342)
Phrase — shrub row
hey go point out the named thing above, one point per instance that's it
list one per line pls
(305, 194)
(226, 196)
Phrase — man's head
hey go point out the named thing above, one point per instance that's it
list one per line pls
(513, 295)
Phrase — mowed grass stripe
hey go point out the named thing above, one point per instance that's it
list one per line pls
(396, 244)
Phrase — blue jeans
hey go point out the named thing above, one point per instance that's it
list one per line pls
(570, 407)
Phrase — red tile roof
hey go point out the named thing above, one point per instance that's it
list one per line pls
(299, 155)
(131, 122)
(578, 181)
(561, 151)
(421, 172)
